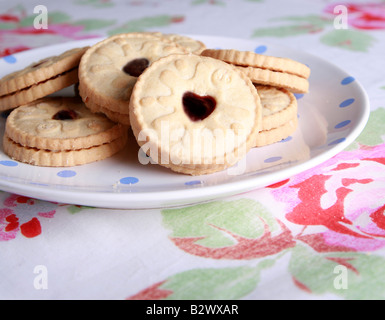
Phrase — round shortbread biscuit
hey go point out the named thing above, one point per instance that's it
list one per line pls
(39, 90)
(124, 119)
(278, 106)
(40, 71)
(60, 124)
(252, 59)
(192, 45)
(194, 114)
(288, 81)
(109, 69)
(68, 158)
(267, 137)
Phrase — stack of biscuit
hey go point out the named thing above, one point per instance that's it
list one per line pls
(61, 132)
(40, 79)
(54, 131)
(135, 80)
(108, 70)
(276, 79)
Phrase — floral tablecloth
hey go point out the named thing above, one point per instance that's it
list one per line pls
(317, 235)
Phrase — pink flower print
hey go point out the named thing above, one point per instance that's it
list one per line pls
(20, 215)
(364, 16)
(9, 224)
(16, 37)
(345, 195)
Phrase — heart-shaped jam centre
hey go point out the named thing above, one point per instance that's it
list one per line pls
(135, 67)
(65, 115)
(198, 107)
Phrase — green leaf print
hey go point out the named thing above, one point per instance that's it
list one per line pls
(348, 39)
(348, 275)
(53, 17)
(237, 230)
(58, 17)
(374, 132)
(8, 26)
(95, 3)
(243, 217)
(285, 31)
(227, 283)
(311, 19)
(206, 284)
(92, 24)
(143, 24)
(76, 208)
(302, 25)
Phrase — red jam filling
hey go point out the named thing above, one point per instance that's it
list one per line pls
(198, 107)
(136, 67)
(65, 115)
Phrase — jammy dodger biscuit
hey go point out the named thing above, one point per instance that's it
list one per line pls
(266, 70)
(273, 135)
(109, 69)
(278, 106)
(279, 114)
(194, 114)
(40, 78)
(61, 132)
(191, 44)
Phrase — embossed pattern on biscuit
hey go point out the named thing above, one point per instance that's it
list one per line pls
(193, 45)
(278, 106)
(273, 99)
(158, 106)
(44, 120)
(60, 124)
(104, 72)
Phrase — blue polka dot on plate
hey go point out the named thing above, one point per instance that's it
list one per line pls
(346, 103)
(10, 59)
(8, 163)
(260, 49)
(66, 174)
(129, 180)
(193, 182)
(337, 141)
(342, 124)
(287, 139)
(272, 159)
(347, 80)
(298, 95)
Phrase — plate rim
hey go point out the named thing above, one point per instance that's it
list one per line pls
(193, 195)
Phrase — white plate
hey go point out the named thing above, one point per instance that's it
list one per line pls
(331, 116)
